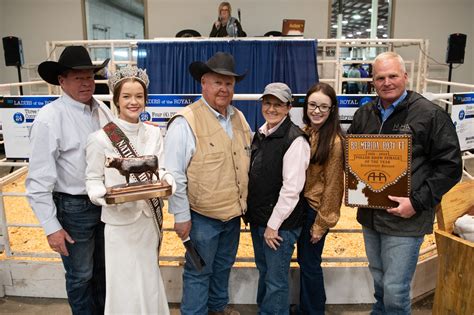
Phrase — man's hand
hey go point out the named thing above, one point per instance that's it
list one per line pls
(272, 238)
(57, 241)
(183, 229)
(217, 24)
(404, 210)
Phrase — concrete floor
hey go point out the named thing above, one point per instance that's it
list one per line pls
(44, 306)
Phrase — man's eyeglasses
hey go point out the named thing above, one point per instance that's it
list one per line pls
(322, 108)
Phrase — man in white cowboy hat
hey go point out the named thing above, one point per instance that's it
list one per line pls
(207, 149)
(55, 184)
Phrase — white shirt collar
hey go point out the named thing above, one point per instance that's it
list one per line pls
(264, 129)
(80, 106)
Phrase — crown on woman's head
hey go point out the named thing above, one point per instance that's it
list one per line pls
(127, 73)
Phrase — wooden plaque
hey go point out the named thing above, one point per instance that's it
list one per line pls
(377, 166)
(137, 191)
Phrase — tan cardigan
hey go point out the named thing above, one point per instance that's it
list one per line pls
(324, 186)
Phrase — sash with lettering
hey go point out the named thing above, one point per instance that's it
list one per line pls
(123, 147)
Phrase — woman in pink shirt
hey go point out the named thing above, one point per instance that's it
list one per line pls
(276, 208)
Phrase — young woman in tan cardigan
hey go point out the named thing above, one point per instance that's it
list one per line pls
(323, 191)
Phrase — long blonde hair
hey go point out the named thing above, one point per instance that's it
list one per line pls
(224, 4)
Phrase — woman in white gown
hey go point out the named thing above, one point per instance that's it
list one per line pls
(133, 280)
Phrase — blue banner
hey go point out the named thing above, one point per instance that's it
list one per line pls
(464, 98)
(25, 101)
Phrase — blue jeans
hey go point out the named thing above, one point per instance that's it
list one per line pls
(392, 263)
(312, 292)
(273, 266)
(217, 243)
(85, 265)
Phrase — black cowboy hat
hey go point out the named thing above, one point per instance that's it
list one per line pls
(72, 58)
(221, 63)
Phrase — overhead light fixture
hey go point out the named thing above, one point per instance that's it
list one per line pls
(370, 10)
(343, 37)
(356, 17)
(350, 35)
(384, 35)
(358, 33)
(345, 22)
(380, 26)
(334, 26)
(368, 29)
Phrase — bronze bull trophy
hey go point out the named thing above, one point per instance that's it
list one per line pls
(142, 168)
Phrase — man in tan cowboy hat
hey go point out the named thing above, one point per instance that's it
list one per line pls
(207, 149)
(56, 179)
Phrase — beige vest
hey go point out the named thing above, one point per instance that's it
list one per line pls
(218, 171)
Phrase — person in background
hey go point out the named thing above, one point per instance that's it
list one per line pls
(56, 185)
(393, 236)
(323, 192)
(370, 84)
(226, 25)
(353, 87)
(363, 74)
(207, 148)
(101, 88)
(132, 231)
(276, 209)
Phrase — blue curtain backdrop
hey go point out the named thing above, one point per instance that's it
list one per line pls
(290, 61)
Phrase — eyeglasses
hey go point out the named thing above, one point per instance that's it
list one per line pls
(322, 108)
(276, 106)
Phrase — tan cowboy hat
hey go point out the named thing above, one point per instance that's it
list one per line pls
(221, 63)
(72, 58)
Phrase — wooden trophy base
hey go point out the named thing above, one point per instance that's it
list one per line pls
(137, 191)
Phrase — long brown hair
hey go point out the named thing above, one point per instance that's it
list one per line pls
(331, 127)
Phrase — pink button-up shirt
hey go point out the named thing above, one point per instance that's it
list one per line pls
(295, 163)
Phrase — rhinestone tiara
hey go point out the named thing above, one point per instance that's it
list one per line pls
(127, 73)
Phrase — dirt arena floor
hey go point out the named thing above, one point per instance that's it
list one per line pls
(27, 239)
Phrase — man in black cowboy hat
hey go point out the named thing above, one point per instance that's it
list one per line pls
(207, 150)
(56, 179)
